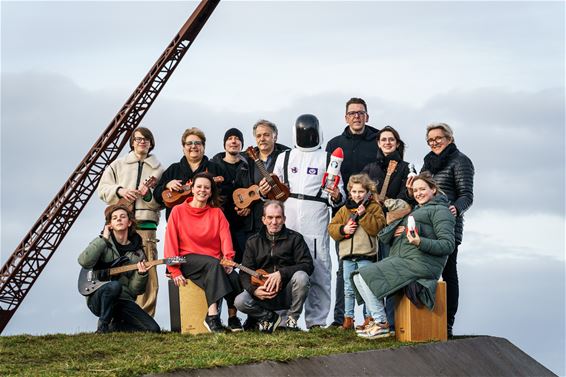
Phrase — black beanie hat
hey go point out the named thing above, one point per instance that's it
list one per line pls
(234, 132)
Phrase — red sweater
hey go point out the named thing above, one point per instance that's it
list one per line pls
(202, 231)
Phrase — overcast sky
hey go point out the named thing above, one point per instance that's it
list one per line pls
(494, 71)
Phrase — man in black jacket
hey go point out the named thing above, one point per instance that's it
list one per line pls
(358, 141)
(267, 149)
(284, 255)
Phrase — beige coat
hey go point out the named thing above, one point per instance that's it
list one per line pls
(123, 172)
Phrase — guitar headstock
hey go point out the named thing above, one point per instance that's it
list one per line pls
(228, 263)
(175, 260)
(251, 152)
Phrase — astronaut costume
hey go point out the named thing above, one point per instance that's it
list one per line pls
(307, 209)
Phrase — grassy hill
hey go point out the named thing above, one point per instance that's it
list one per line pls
(134, 354)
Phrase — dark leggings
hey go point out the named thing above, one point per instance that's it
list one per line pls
(450, 276)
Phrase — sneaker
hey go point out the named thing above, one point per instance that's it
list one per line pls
(250, 324)
(234, 324)
(269, 322)
(291, 324)
(335, 324)
(102, 327)
(213, 323)
(376, 330)
(362, 328)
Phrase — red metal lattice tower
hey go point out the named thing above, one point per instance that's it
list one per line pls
(25, 264)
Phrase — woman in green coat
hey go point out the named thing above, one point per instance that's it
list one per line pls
(416, 256)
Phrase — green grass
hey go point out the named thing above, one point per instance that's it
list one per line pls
(134, 354)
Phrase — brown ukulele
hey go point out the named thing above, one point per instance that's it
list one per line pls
(278, 190)
(390, 170)
(173, 197)
(244, 197)
(258, 276)
(143, 188)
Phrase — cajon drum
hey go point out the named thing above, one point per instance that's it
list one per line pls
(421, 325)
(188, 308)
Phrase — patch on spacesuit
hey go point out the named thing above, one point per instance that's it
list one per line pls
(294, 170)
(312, 171)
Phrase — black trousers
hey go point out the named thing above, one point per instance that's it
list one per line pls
(122, 315)
(208, 274)
(450, 276)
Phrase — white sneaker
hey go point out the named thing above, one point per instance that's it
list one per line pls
(291, 324)
(376, 330)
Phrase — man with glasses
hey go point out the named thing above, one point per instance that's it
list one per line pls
(123, 181)
(193, 161)
(358, 141)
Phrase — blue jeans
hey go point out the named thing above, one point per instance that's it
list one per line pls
(350, 266)
(374, 306)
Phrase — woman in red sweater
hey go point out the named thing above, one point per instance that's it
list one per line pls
(198, 230)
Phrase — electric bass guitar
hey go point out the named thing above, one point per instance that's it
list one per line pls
(90, 280)
(173, 197)
(390, 170)
(258, 276)
(244, 197)
(278, 190)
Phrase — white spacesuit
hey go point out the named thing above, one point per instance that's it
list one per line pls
(308, 209)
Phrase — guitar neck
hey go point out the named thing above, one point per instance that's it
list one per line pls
(261, 166)
(130, 267)
(390, 171)
(247, 270)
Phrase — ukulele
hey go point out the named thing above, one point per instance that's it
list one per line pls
(278, 190)
(173, 197)
(258, 276)
(390, 170)
(144, 187)
(90, 280)
(244, 197)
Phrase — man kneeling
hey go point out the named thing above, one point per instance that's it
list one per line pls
(285, 258)
(114, 302)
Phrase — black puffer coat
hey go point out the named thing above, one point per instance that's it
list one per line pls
(455, 177)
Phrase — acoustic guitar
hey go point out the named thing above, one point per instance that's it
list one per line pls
(90, 280)
(390, 170)
(172, 197)
(244, 197)
(278, 190)
(258, 276)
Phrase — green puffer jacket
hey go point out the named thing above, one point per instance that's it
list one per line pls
(407, 263)
(104, 250)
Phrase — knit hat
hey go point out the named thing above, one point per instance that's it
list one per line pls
(234, 132)
(396, 209)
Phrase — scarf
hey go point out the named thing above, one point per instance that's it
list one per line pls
(435, 163)
(134, 245)
(383, 161)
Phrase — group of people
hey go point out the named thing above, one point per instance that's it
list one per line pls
(285, 246)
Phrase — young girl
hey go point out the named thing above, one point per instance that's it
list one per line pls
(355, 226)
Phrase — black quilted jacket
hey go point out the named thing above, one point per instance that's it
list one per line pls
(456, 179)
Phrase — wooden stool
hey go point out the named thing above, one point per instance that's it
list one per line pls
(188, 308)
(421, 325)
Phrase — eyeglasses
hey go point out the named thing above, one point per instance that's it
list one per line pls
(436, 140)
(354, 113)
(140, 140)
(196, 143)
(385, 140)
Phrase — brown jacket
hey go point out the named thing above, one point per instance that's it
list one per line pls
(363, 243)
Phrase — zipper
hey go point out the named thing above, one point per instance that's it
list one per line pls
(370, 241)
(315, 248)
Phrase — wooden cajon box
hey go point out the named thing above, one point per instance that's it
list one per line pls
(421, 325)
(188, 308)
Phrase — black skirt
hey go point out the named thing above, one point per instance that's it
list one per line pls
(208, 274)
